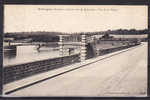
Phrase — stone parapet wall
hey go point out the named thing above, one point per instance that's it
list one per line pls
(110, 50)
(16, 72)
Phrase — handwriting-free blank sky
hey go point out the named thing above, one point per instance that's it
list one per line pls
(63, 18)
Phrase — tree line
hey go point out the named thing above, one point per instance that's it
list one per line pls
(42, 36)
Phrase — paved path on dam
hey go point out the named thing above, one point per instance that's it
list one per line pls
(124, 74)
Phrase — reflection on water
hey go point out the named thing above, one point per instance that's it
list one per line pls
(26, 54)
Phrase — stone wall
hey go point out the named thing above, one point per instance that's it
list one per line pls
(110, 50)
(16, 72)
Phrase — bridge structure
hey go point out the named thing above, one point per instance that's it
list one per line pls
(101, 76)
(14, 73)
(85, 39)
(17, 72)
(63, 45)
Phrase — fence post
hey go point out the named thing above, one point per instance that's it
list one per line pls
(83, 48)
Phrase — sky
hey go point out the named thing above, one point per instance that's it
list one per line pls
(74, 18)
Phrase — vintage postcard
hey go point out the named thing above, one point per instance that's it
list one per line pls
(75, 50)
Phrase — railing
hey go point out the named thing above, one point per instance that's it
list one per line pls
(16, 72)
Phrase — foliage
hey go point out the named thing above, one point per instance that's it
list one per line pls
(42, 36)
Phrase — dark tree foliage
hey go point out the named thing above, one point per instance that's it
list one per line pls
(127, 32)
(35, 36)
(42, 36)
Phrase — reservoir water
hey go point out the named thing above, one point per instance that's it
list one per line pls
(25, 54)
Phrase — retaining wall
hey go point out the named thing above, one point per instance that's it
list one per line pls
(16, 72)
(110, 50)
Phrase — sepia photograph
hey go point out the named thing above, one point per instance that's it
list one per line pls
(75, 50)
